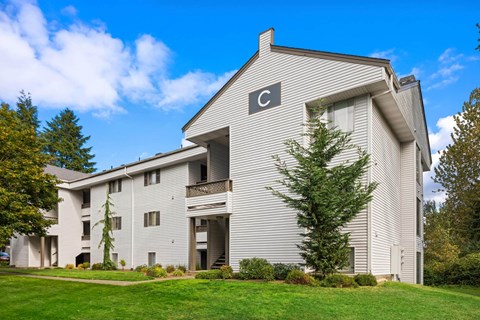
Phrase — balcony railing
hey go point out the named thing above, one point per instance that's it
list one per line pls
(206, 188)
(201, 228)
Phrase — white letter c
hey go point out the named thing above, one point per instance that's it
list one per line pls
(262, 105)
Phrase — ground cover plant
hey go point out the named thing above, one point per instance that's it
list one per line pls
(28, 298)
(82, 274)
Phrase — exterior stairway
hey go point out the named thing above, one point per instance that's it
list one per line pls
(220, 262)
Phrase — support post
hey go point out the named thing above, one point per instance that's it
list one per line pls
(42, 252)
(193, 245)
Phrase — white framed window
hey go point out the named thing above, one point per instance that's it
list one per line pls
(151, 219)
(152, 258)
(151, 177)
(117, 223)
(341, 115)
(115, 186)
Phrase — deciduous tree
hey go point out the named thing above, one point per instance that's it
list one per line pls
(326, 196)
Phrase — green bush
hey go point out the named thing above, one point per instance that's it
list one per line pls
(178, 273)
(141, 268)
(463, 271)
(281, 270)
(210, 274)
(365, 280)
(86, 265)
(69, 266)
(237, 276)
(338, 281)
(297, 276)
(182, 267)
(170, 268)
(97, 266)
(256, 268)
(156, 272)
(227, 272)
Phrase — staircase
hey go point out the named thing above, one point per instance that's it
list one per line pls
(220, 262)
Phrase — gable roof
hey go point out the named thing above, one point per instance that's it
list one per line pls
(65, 174)
(301, 52)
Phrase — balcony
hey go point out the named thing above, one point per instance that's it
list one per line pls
(209, 198)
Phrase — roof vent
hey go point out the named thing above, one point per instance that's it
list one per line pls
(157, 154)
(407, 80)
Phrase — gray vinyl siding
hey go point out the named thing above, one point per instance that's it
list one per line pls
(219, 162)
(261, 225)
(19, 251)
(386, 203)
(408, 215)
(216, 240)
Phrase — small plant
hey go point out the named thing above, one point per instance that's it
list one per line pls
(226, 271)
(178, 273)
(210, 274)
(123, 263)
(158, 265)
(237, 276)
(80, 266)
(182, 267)
(365, 280)
(141, 268)
(338, 281)
(86, 265)
(281, 270)
(170, 268)
(256, 268)
(97, 266)
(297, 276)
(69, 266)
(156, 272)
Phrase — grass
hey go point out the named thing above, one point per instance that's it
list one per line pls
(28, 298)
(82, 274)
(474, 291)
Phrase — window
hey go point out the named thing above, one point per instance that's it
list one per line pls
(151, 177)
(203, 173)
(152, 259)
(350, 268)
(117, 223)
(341, 115)
(419, 217)
(115, 186)
(151, 219)
(86, 230)
(115, 259)
(86, 198)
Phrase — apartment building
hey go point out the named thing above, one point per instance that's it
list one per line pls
(207, 204)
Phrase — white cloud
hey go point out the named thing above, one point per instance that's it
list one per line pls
(438, 142)
(386, 54)
(69, 11)
(87, 69)
(449, 56)
(447, 72)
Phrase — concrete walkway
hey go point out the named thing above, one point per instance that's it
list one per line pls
(107, 282)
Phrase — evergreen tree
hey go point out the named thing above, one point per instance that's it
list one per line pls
(107, 234)
(26, 191)
(27, 112)
(65, 142)
(458, 173)
(325, 197)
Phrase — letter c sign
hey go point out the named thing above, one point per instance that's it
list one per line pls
(265, 98)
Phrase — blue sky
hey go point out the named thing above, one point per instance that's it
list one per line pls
(136, 72)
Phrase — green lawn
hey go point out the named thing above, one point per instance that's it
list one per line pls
(82, 274)
(28, 298)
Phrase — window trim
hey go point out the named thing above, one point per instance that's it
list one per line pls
(147, 177)
(115, 186)
(146, 219)
(350, 106)
(116, 223)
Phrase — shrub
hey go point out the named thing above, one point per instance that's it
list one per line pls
(86, 265)
(226, 271)
(141, 268)
(158, 265)
(156, 272)
(97, 266)
(237, 276)
(80, 266)
(109, 266)
(365, 280)
(281, 270)
(170, 268)
(178, 273)
(182, 267)
(338, 281)
(69, 266)
(123, 263)
(210, 274)
(256, 268)
(466, 270)
(297, 276)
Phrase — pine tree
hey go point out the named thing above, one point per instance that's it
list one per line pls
(65, 142)
(458, 173)
(107, 234)
(325, 197)
(27, 112)
(26, 191)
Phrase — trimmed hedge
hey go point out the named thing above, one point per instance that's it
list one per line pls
(256, 269)
(210, 274)
(365, 280)
(297, 276)
(338, 281)
(281, 270)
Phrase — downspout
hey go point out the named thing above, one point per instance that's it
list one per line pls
(369, 179)
(133, 216)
